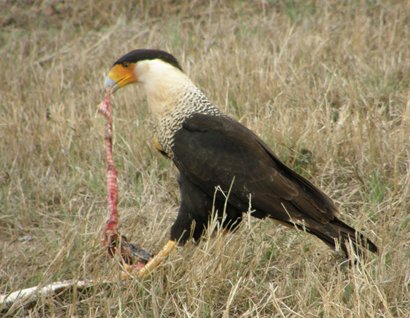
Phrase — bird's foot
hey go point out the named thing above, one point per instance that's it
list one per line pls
(131, 254)
(136, 270)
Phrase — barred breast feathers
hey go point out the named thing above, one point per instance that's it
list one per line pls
(191, 101)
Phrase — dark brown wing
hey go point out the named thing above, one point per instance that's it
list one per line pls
(218, 151)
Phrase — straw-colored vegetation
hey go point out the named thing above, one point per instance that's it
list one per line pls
(325, 83)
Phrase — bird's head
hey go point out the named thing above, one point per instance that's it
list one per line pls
(142, 66)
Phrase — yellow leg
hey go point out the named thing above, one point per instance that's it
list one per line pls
(155, 261)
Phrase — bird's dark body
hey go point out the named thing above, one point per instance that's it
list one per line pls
(225, 167)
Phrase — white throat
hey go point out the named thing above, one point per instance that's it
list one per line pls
(164, 84)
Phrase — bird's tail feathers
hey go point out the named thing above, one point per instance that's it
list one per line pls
(337, 233)
(346, 234)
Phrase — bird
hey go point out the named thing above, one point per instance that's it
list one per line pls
(223, 167)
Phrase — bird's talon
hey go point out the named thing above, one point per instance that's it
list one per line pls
(134, 270)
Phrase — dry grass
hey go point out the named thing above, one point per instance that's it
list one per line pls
(325, 83)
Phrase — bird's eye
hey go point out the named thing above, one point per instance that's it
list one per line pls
(125, 64)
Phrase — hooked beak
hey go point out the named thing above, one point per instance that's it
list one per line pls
(110, 84)
(119, 76)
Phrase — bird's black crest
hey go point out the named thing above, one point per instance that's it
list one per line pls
(147, 54)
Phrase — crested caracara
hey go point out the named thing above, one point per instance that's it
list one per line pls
(215, 155)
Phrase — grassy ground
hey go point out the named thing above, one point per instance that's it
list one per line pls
(325, 83)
